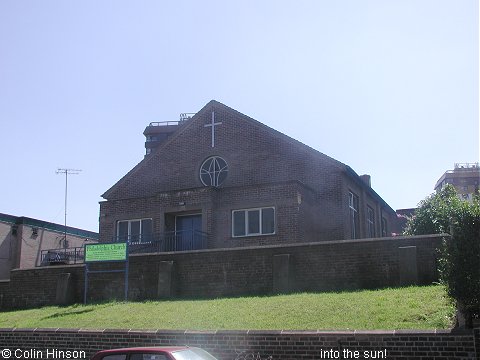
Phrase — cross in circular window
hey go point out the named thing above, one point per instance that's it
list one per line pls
(213, 171)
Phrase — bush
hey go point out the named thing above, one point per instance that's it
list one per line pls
(459, 261)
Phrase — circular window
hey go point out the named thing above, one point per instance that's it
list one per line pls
(213, 171)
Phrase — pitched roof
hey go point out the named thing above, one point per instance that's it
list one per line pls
(152, 158)
(350, 172)
(213, 103)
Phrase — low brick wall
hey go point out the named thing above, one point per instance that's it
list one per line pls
(323, 266)
(273, 345)
(37, 287)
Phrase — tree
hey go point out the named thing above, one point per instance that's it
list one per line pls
(459, 263)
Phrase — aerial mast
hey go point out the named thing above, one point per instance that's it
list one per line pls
(67, 172)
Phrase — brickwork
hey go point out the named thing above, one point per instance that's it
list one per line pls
(477, 340)
(255, 154)
(36, 287)
(259, 344)
(263, 166)
(335, 265)
(295, 206)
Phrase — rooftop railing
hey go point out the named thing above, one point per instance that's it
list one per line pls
(164, 123)
(183, 117)
(466, 166)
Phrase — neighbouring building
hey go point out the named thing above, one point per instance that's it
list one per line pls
(26, 243)
(464, 177)
(402, 218)
(220, 179)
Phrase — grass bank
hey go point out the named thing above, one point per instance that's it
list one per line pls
(402, 308)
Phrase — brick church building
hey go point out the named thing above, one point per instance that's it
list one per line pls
(220, 179)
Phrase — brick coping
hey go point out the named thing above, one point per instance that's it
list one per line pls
(409, 332)
(304, 244)
(243, 248)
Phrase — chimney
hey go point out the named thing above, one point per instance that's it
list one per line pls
(367, 179)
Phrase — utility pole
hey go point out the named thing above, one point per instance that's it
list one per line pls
(67, 172)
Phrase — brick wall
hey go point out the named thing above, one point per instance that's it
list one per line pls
(37, 287)
(255, 154)
(259, 159)
(259, 344)
(334, 265)
(299, 216)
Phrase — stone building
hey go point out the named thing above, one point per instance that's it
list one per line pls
(464, 177)
(220, 179)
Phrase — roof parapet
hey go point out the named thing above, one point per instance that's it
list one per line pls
(466, 166)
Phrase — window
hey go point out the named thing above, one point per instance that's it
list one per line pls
(384, 227)
(138, 230)
(151, 138)
(249, 222)
(353, 206)
(142, 356)
(370, 222)
(115, 357)
(213, 171)
(192, 354)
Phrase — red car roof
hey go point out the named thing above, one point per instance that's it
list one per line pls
(152, 349)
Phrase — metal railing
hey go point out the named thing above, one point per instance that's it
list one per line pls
(62, 256)
(466, 165)
(140, 244)
(183, 117)
(165, 242)
(186, 116)
(164, 123)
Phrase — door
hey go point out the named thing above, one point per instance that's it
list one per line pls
(188, 232)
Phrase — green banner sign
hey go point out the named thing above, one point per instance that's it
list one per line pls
(106, 252)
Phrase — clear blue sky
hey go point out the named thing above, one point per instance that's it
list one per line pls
(387, 87)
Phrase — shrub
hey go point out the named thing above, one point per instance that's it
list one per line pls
(459, 259)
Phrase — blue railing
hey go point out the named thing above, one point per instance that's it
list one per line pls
(168, 241)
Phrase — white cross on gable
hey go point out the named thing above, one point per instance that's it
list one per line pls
(212, 125)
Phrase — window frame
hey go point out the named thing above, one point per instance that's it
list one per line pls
(371, 222)
(260, 221)
(214, 176)
(384, 227)
(129, 230)
(354, 215)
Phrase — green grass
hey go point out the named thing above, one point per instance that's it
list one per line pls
(404, 308)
